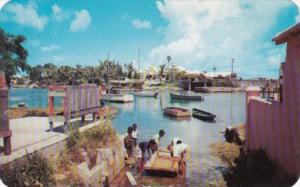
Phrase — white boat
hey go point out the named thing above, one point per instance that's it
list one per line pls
(118, 98)
(146, 94)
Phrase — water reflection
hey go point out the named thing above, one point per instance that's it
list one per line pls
(148, 113)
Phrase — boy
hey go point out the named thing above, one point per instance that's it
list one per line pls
(135, 133)
(151, 147)
(129, 142)
(158, 137)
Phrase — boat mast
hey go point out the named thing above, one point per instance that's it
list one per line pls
(107, 72)
(139, 53)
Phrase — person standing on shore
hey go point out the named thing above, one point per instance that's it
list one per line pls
(135, 133)
(129, 142)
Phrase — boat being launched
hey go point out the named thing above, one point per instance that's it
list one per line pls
(203, 115)
(118, 98)
(187, 96)
(146, 94)
(177, 112)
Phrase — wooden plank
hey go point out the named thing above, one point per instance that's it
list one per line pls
(4, 134)
(56, 94)
(131, 178)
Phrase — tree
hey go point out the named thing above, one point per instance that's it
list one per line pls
(36, 73)
(214, 69)
(12, 55)
(50, 74)
(162, 69)
(130, 70)
(169, 59)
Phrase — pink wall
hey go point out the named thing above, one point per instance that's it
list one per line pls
(275, 126)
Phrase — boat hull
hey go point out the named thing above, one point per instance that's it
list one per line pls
(186, 97)
(177, 112)
(146, 94)
(118, 98)
(202, 115)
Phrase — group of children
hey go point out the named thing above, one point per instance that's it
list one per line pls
(179, 151)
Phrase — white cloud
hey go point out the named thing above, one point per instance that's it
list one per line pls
(58, 13)
(141, 24)
(82, 20)
(3, 2)
(201, 34)
(50, 48)
(26, 15)
(57, 58)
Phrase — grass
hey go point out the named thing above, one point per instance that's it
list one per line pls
(252, 169)
(21, 112)
(33, 169)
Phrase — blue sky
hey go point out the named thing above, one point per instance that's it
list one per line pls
(196, 34)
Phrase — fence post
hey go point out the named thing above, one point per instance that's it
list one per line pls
(5, 133)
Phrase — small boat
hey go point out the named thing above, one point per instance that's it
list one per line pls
(118, 98)
(187, 96)
(203, 115)
(161, 164)
(145, 94)
(177, 112)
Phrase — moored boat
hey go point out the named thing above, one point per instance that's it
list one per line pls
(186, 96)
(118, 98)
(145, 94)
(203, 115)
(177, 112)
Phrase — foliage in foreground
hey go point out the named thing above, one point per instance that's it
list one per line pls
(255, 168)
(32, 170)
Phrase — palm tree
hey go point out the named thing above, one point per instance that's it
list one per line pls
(214, 69)
(169, 59)
(161, 69)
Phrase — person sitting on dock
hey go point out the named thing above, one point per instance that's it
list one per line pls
(135, 133)
(129, 142)
(158, 137)
(150, 146)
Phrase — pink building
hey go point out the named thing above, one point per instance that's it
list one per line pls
(274, 125)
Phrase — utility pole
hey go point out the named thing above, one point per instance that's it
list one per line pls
(232, 62)
(139, 53)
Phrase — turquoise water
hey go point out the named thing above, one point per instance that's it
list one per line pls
(33, 98)
(148, 114)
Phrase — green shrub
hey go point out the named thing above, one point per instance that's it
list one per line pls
(73, 139)
(33, 169)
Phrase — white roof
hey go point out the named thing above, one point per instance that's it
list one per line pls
(216, 74)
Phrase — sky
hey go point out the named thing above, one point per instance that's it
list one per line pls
(198, 35)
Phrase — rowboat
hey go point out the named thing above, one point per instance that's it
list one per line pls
(161, 164)
(186, 96)
(177, 112)
(145, 94)
(203, 115)
(118, 98)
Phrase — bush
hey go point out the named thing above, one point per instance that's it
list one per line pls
(256, 169)
(33, 169)
(73, 140)
(102, 133)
